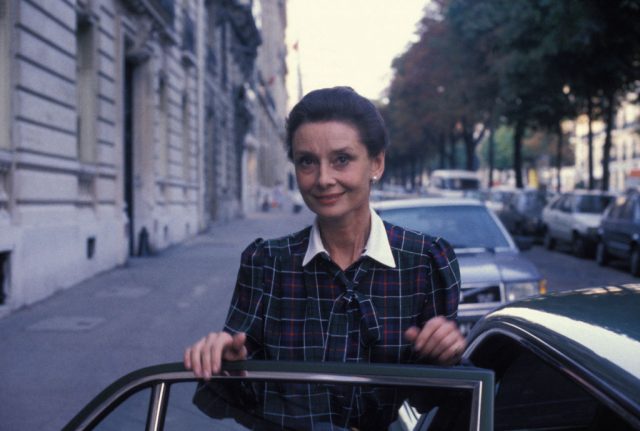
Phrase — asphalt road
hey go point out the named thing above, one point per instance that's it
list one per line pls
(563, 271)
(59, 353)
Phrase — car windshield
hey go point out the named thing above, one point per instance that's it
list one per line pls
(464, 226)
(593, 204)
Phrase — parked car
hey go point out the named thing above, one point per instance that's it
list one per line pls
(522, 213)
(619, 232)
(452, 183)
(492, 268)
(561, 361)
(498, 197)
(573, 218)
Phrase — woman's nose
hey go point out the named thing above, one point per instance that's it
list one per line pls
(325, 175)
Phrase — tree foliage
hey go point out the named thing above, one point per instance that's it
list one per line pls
(532, 63)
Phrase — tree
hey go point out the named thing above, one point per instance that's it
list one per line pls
(434, 99)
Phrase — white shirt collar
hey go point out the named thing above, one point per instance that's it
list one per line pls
(377, 247)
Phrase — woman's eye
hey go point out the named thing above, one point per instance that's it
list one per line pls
(342, 160)
(305, 161)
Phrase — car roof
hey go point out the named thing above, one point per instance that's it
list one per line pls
(455, 173)
(582, 192)
(426, 202)
(597, 328)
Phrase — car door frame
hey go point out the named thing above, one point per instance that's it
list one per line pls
(160, 377)
(518, 332)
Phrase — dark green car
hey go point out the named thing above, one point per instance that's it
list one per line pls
(565, 361)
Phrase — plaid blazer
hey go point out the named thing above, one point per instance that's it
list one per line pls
(321, 313)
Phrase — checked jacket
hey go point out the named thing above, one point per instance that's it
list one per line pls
(319, 312)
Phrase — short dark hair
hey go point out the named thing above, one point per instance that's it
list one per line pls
(340, 104)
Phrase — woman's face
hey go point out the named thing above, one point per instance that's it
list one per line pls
(333, 169)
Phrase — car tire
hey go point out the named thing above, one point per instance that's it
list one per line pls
(549, 242)
(634, 262)
(602, 257)
(579, 246)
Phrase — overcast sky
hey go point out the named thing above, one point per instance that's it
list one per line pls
(348, 42)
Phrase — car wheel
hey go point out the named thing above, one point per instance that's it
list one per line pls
(602, 258)
(634, 262)
(579, 246)
(549, 242)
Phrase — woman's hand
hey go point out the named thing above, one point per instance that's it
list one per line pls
(205, 357)
(439, 339)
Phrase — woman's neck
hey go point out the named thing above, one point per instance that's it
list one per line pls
(345, 242)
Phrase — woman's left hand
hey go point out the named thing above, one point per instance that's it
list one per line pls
(439, 339)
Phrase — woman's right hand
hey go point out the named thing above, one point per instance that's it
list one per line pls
(205, 357)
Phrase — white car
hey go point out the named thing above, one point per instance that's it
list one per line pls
(573, 218)
(454, 183)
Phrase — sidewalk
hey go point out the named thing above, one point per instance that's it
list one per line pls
(60, 352)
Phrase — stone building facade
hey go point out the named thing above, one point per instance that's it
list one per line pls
(124, 126)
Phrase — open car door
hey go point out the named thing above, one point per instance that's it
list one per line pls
(168, 397)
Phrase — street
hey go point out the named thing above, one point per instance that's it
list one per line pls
(563, 271)
(59, 353)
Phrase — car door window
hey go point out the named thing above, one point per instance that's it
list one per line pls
(558, 203)
(532, 394)
(616, 210)
(567, 204)
(130, 415)
(183, 414)
(636, 211)
(627, 210)
(376, 397)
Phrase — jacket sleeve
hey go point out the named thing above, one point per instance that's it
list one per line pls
(245, 311)
(445, 278)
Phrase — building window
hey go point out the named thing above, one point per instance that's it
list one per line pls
(4, 273)
(224, 54)
(5, 78)
(86, 81)
(186, 136)
(163, 126)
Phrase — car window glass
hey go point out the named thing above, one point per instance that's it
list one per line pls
(130, 415)
(627, 210)
(636, 211)
(461, 225)
(616, 209)
(232, 405)
(593, 204)
(526, 398)
(183, 414)
(558, 202)
(236, 405)
(566, 204)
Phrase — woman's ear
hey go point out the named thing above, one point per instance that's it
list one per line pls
(377, 166)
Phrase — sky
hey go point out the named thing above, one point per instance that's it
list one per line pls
(348, 42)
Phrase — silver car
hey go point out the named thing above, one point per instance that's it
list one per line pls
(492, 268)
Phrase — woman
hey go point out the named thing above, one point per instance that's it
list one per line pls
(350, 288)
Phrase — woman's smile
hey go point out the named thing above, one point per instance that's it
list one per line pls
(328, 199)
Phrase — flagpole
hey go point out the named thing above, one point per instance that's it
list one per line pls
(296, 47)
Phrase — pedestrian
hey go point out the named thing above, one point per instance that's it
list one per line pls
(351, 287)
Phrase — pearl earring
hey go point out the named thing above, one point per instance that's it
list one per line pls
(374, 178)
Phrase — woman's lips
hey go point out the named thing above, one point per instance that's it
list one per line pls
(328, 199)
